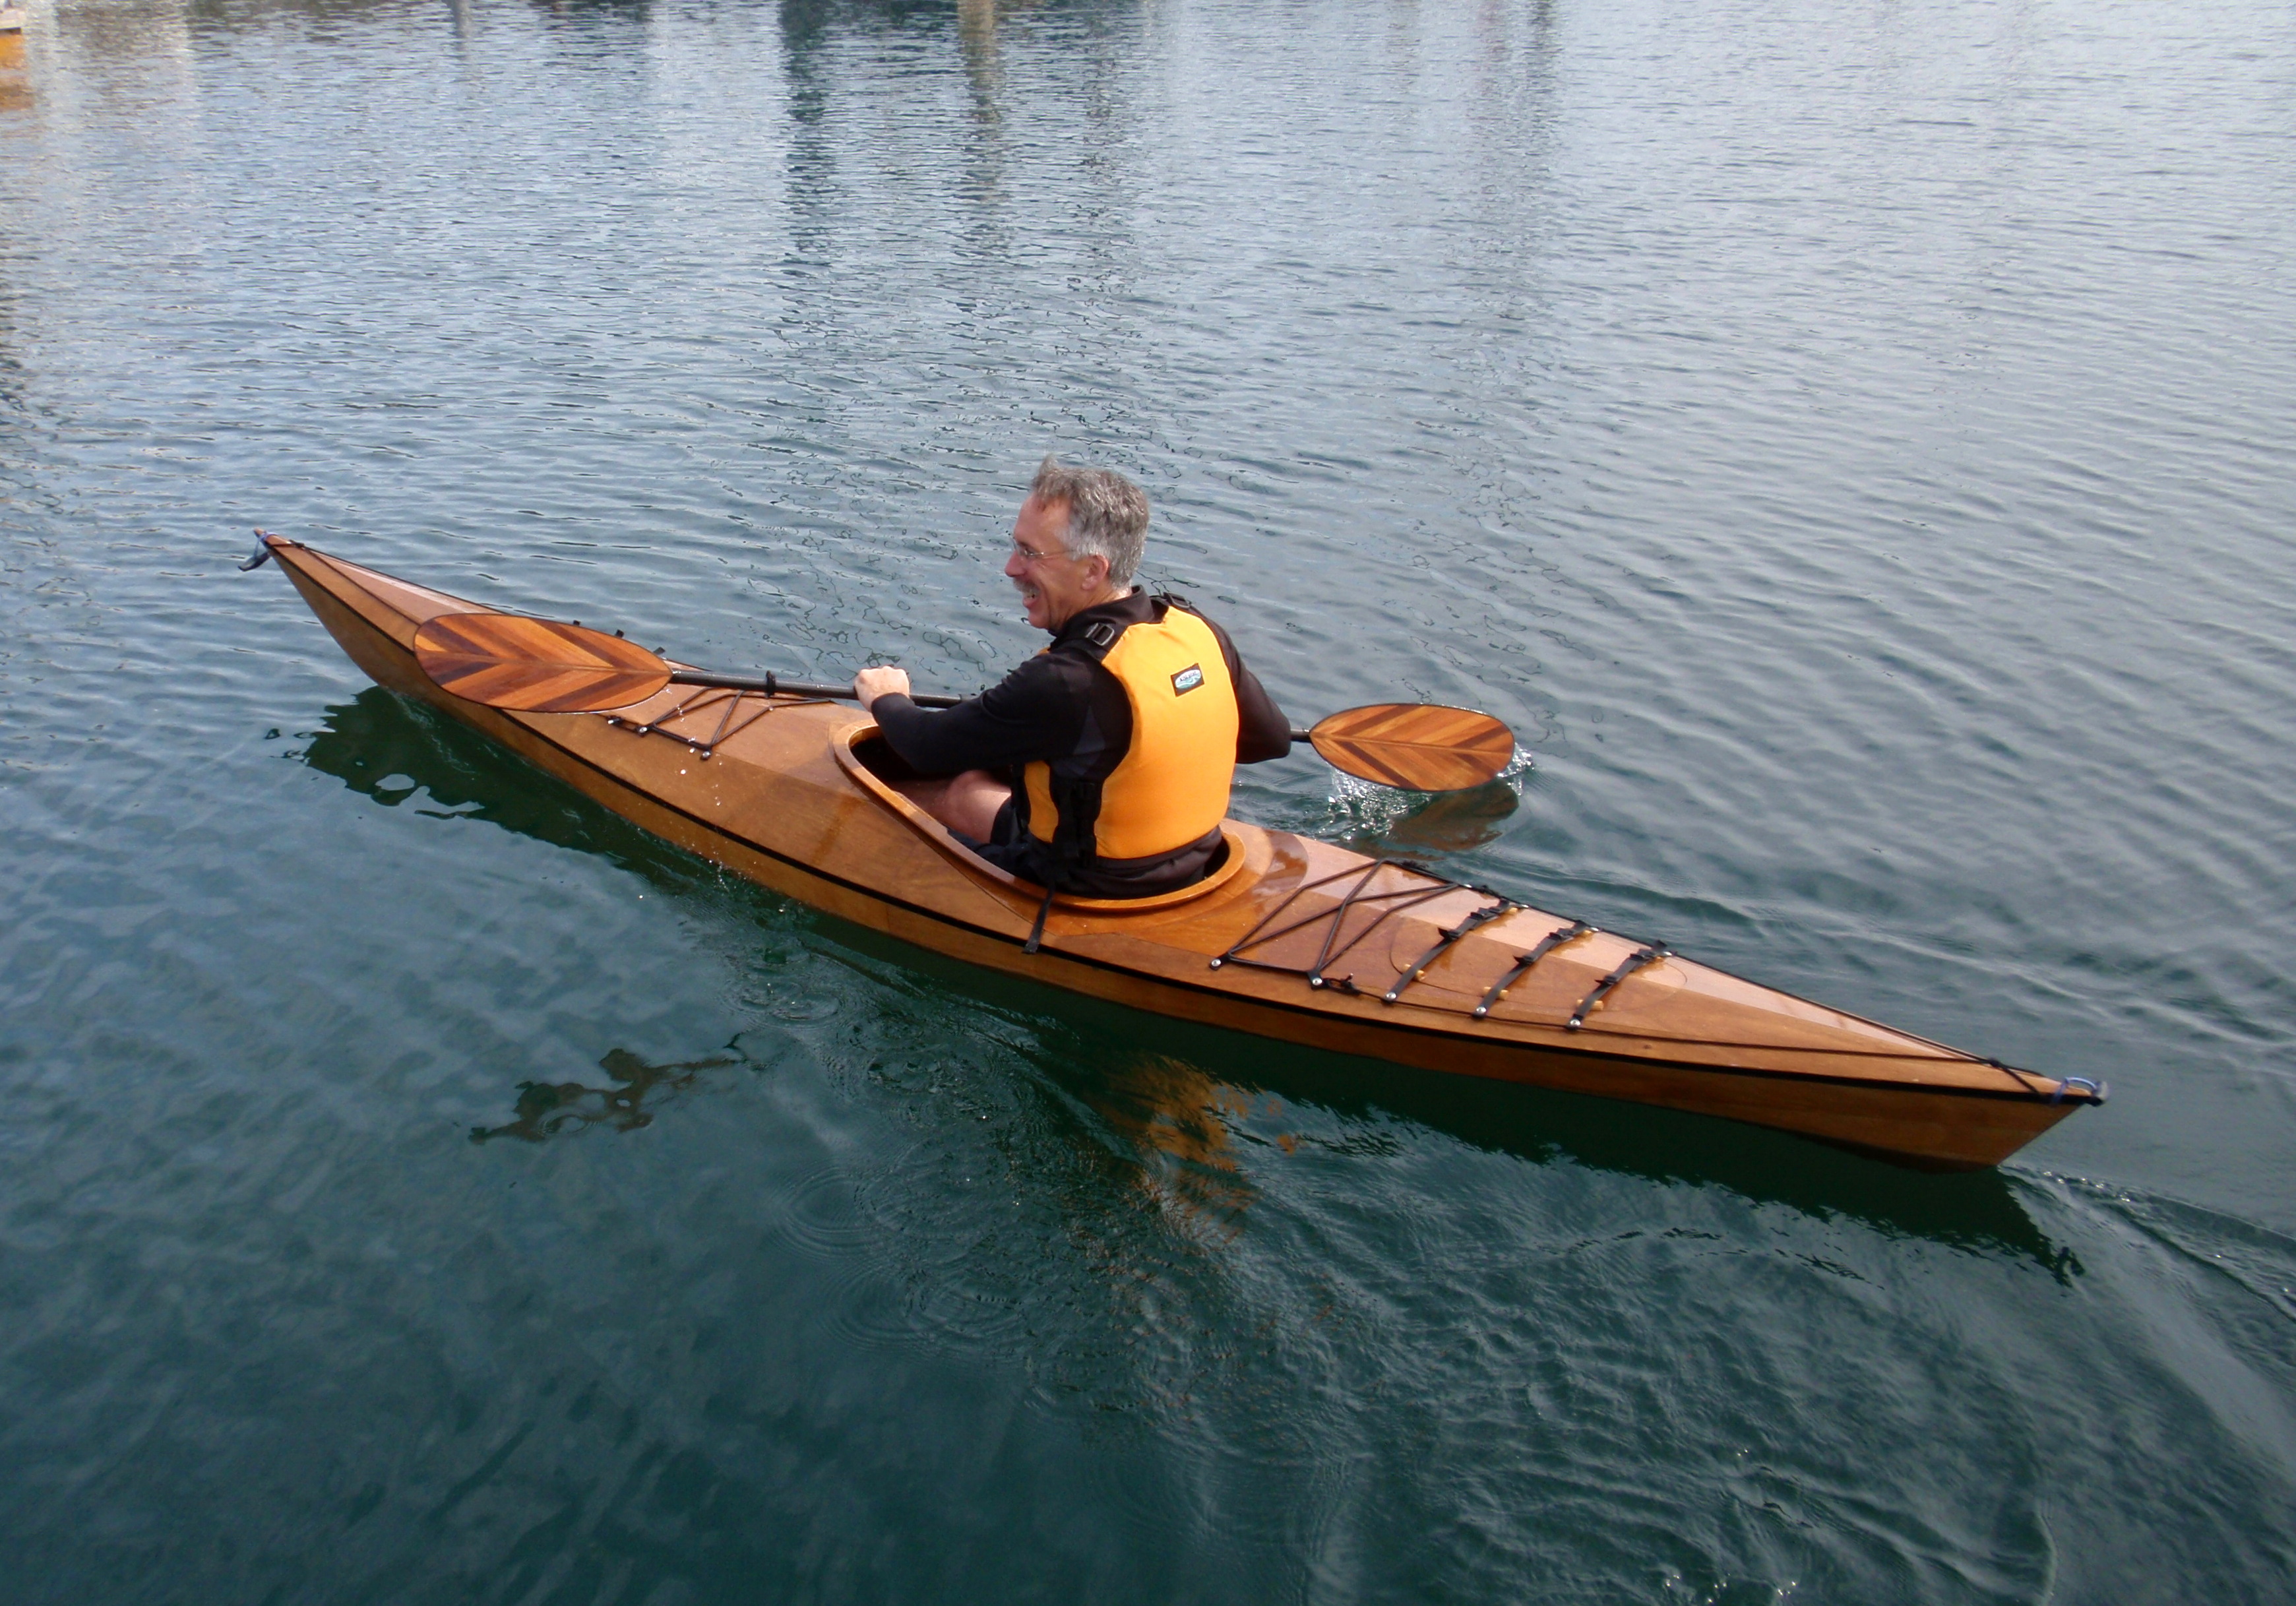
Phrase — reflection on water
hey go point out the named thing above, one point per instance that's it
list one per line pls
(635, 10)
(1980, 1211)
(1177, 1120)
(984, 61)
(12, 367)
(1188, 1114)
(15, 79)
(1379, 819)
(976, 38)
(394, 750)
(547, 1110)
(90, 40)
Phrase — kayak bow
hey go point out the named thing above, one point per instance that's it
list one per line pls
(1288, 938)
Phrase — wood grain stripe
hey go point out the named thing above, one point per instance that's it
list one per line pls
(534, 665)
(1417, 746)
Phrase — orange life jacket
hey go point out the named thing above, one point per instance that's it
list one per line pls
(1171, 786)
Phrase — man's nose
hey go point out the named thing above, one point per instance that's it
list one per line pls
(1014, 567)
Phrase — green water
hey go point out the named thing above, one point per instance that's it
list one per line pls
(1850, 448)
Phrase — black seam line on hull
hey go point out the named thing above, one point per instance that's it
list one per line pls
(1370, 1023)
(1592, 1030)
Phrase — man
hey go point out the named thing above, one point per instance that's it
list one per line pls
(1100, 767)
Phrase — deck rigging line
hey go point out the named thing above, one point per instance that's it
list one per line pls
(1384, 907)
(709, 697)
(1355, 891)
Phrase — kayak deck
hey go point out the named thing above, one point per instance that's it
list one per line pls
(1290, 938)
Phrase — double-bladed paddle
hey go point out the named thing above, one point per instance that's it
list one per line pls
(544, 667)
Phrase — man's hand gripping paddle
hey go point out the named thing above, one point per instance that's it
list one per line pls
(544, 667)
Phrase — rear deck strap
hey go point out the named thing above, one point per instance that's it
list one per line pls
(1443, 943)
(1411, 896)
(1260, 933)
(1338, 918)
(702, 701)
(1627, 966)
(1515, 973)
(647, 728)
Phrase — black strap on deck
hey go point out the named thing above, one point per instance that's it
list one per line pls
(699, 702)
(1443, 943)
(1382, 906)
(1627, 966)
(1547, 945)
(1329, 952)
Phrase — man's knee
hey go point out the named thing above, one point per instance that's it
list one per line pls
(971, 803)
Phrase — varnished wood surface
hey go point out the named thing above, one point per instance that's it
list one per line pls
(535, 666)
(777, 801)
(1420, 747)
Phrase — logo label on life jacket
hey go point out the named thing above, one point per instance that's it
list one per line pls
(1187, 679)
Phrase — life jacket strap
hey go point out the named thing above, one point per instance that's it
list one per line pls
(1036, 932)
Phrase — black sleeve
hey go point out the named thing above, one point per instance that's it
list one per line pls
(1262, 731)
(1037, 711)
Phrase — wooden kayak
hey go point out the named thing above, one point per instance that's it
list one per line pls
(1288, 938)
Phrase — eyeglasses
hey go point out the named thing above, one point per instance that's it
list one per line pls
(1029, 554)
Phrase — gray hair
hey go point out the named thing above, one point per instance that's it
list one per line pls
(1108, 514)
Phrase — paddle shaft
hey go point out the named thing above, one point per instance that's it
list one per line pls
(774, 685)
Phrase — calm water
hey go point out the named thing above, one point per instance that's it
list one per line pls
(1851, 443)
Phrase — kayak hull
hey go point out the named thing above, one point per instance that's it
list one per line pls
(778, 791)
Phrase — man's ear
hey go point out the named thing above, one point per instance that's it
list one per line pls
(1095, 573)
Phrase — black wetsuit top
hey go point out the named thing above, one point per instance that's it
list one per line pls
(1062, 708)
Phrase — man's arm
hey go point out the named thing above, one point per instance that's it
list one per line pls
(1035, 712)
(1262, 731)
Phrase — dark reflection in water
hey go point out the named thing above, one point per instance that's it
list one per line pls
(11, 368)
(808, 24)
(635, 11)
(1458, 822)
(1211, 1076)
(1976, 1210)
(1179, 1109)
(393, 751)
(548, 1109)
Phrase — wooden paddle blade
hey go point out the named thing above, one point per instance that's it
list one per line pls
(535, 666)
(1419, 747)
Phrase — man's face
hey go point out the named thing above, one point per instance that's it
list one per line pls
(1052, 584)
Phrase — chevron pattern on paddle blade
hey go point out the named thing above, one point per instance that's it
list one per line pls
(1419, 747)
(535, 666)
